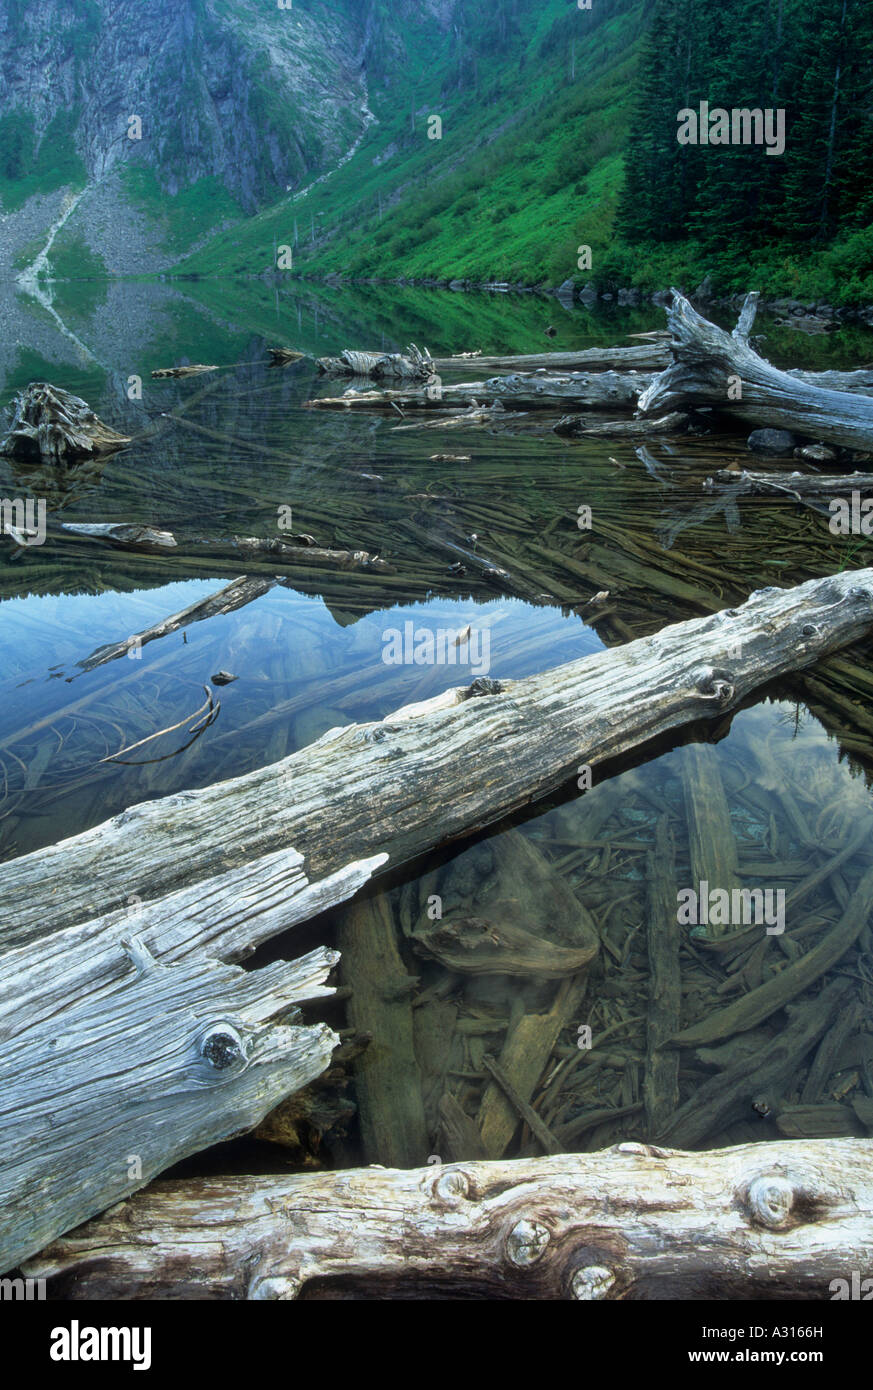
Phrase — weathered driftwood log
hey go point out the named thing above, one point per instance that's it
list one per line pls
(518, 391)
(774, 1221)
(715, 368)
(403, 785)
(49, 423)
(413, 365)
(650, 357)
(579, 427)
(133, 1040)
(793, 484)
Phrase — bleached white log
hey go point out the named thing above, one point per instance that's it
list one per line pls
(406, 784)
(782, 1220)
(130, 1041)
(715, 368)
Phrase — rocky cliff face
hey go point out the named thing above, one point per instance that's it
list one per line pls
(245, 91)
(257, 97)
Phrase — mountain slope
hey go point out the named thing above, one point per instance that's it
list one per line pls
(231, 101)
(535, 101)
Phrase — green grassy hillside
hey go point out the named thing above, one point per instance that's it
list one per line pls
(545, 110)
(534, 115)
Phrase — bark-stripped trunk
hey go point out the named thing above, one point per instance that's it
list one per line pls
(771, 1221)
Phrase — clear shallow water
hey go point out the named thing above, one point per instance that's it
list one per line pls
(218, 456)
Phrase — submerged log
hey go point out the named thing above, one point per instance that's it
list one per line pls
(715, 368)
(711, 842)
(661, 1082)
(528, 1046)
(761, 1078)
(51, 424)
(773, 1221)
(761, 1003)
(793, 484)
(387, 1079)
(579, 427)
(403, 785)
(196, 369)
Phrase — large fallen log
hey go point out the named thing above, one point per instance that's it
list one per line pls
(403, 785)
(650, 357)
(518, 391)
(774, 1221)
(715, 368)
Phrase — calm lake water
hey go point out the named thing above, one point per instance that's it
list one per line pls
(224, 455)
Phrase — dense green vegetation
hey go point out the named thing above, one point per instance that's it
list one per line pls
(736, 206)
(182, 218)
(26, 169)
(535, 98)
(560, 131)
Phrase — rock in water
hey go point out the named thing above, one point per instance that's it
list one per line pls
(772, 442)
(49, 423)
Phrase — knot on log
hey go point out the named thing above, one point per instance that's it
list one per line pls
(222, 1046)
(452, 1187)
(526, 1243)
(592, 1282)
(640, 1150)
(714, 684)
(272, 1288)
(810, 630)
(482, 685)
(770, 1201)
